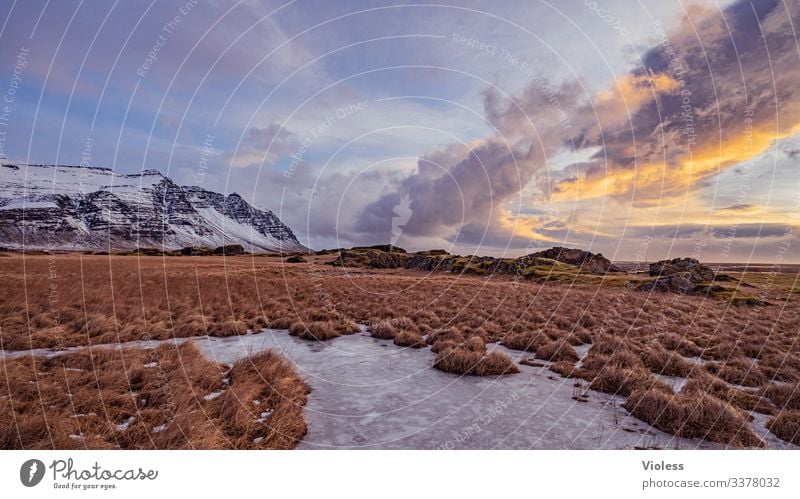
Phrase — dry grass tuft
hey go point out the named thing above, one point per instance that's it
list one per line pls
(623, 381)
(692, 415)
(347, 326)
(566, 369)
(526, 341)
(702, 382)
(738, 371)
(557, 351)
(460, 360)
(383, 330)
(314, 330)
(474, 344)
(785, 396)
(680, 344)
(786, 426)
(409, 339)
(271, 380)
(661, 361)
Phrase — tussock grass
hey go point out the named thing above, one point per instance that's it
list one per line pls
(451, 334)
(271, 380)
(566, 369)
(82, 400)
(409, 339)
(786, 426)
(738, 371)
(442, 345)
(692, 415)
(383, 330)
(785, 396)
(460, 360)
(678, 343)
(347, 326)
(557, 351)
(624, 381)
(661, 361)
(314, 330)
(526, 341)
(700, 381)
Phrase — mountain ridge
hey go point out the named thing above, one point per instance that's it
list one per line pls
(66, 207)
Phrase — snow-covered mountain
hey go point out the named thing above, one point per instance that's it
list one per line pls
(71, 207)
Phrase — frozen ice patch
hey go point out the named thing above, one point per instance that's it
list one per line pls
(125, 424)
(212, 395)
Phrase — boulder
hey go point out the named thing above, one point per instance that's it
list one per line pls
(697, 270)
(229, 249)
(680, 275)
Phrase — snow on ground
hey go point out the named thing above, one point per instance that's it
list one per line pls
(125, 424)
(370, 393)
(582, 351)
(676, 382)
(212, 395)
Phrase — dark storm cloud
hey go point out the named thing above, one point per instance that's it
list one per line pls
(737, 89)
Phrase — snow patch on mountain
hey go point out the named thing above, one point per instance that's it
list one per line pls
(72, 207)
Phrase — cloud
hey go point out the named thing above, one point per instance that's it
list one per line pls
(464, 192)
(703, 100)
(724, 89)
(741, 210)
(264, 146)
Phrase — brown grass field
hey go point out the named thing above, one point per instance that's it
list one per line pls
(738, 355)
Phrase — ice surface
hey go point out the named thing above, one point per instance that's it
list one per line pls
(370, 393)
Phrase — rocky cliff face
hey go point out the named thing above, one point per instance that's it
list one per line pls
(63, 207)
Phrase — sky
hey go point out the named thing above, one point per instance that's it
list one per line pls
(639, 129)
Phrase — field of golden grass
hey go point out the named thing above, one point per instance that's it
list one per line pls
(737, 358)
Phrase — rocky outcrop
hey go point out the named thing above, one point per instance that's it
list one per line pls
(590, 262)
(230, 250)
(440, 260)
(681, 275)
(689, 266)
(65, 208)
